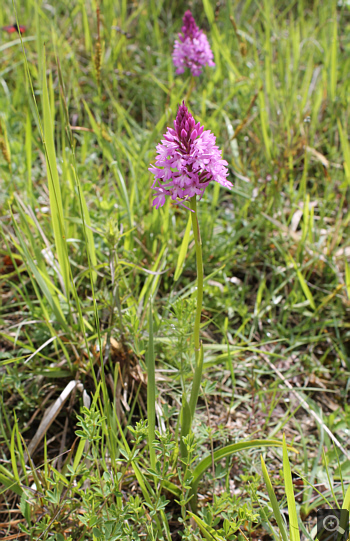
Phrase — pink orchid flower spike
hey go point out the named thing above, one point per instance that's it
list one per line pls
(192, 49)
(187, 161)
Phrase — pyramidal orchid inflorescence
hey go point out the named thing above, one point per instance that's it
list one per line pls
(187, 161)
(192, 49)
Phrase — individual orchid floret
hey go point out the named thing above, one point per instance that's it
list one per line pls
(187, 161)
(192, 49)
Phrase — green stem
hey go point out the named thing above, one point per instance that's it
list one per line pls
(151, 391)
(200, 274)
(189, 92)
(198, 347)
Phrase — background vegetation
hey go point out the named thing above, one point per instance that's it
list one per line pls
(87, 270)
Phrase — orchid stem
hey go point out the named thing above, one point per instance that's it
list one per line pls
(198, 347)
(191, 87)
(200, 273)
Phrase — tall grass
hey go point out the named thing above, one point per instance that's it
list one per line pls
(98, 290)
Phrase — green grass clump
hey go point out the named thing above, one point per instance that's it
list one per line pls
(96, 286)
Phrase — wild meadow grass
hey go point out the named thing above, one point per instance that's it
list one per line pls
(98, 288)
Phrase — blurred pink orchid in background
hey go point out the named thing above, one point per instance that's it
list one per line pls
(192, 49)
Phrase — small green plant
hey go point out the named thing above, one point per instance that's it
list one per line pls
(296, 527)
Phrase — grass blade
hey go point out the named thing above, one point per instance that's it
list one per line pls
(224, 452)
(183, 250)
(209, 533)
(304, 285)
(28, 146)
(54, 189)
(274, 504)
(292, 511)
(346, 150)
(54, 305)
(88, 231)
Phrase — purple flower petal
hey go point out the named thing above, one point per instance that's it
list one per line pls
(187, 161)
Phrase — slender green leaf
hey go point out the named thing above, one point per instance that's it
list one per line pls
(304, 285)
(183, 250)
(346, 150)
(209, 533)
(28, 146)
(347, 278)
(13, 453)
(39, 278)
(208, 11)
(56, 206)
(274, 503)
(346, 504)
(333, 58)
(10, 484)
(88, 231)
(186, 423)
(222, 453)
(292, 511)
